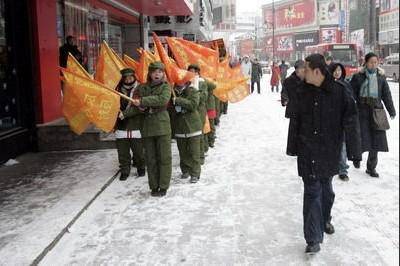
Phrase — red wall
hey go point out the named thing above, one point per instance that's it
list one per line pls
(47, 82)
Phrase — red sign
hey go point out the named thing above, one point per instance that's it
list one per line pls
(295, 14)
(246, 47)
(330, 35)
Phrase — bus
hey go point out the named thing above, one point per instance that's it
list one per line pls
(344, 53)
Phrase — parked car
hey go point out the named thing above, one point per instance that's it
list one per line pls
(391, 66)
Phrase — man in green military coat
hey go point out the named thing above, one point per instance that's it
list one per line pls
(211, 112)
(188, 129)
(127, 128)
(202, 108)
(156, 131)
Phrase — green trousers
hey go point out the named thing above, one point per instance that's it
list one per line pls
(211, 134)
(189, 154)
(158, 161)
(124, 147)
(202, 150)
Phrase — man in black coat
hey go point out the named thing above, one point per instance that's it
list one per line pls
(323, 110)
(290, 85)
(69, 47)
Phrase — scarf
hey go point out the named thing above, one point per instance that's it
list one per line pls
(369, 88)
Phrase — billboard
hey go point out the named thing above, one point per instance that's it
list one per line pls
(357, 37)
(328, 12)
(330, 35)
(284, 43)
(295, 14)
(302, 40)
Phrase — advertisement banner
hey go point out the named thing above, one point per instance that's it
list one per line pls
(329, 35)
(328, 12)
(357, 37)
(284, 43)
(302, 40)
(296, 14)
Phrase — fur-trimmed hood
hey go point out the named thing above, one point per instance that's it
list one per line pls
(381, 71)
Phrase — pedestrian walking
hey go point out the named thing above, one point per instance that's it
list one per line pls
(323, 110)
(283, 68)
(212, 114)
(256, 74)
(275, 77)
(188, 129)
(372, 94)
(202, 108)
(290, 85)
(69, 48)
(154, 96)
(127, 128)
(245, 66)
(339, 74)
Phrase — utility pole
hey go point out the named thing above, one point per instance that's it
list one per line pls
(273, 30)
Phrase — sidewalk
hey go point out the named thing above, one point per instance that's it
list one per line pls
(246, 209)
(42, 193)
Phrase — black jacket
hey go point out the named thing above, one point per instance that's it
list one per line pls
(316, 129)
(288, 93)
(371, 139)
(63, 53)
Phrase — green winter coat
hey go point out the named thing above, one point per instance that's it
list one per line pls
(202, 109)
(133, 118)
(156, 119)
(211, 98)
(188, 120)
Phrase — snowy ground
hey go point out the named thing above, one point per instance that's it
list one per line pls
(246, 209)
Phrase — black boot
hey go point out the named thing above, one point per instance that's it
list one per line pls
(184, 175)
(155, 192)
(313, 248)
(372, 173)
(162, 192)
(123, 176)
(141, 172)
(329, 229)
(194, 179)
(344, 177)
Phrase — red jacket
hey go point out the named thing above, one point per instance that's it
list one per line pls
(276, 74)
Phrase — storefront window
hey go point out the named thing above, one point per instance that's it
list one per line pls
(87, 24)
(8, 93)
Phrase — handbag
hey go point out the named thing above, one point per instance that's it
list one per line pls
(379, 118)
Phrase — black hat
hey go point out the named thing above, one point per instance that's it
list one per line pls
(127, 72)
(194, 66)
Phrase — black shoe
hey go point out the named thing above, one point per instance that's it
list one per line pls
(162, 192)
(123, 176)
(155, 193)
(356, 164)
(329, 229)
(194, 179)
(344, 177)
(184, 175)
(141, 172)
(313, 248)
(211, 145)
(372, 173)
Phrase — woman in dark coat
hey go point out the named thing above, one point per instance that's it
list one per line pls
(370, 90)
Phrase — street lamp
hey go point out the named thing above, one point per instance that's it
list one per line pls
(273, 30)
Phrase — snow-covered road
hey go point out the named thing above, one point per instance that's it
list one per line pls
(246, 209)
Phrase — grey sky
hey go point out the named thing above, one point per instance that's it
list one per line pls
(250, 5)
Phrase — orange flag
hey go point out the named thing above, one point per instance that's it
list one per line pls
(185, 56)
(145, 59)
(210, 56)
(174, 73)
(71, 107)
(108, 67)
(130, 62)
(100, 105)
(238, 92)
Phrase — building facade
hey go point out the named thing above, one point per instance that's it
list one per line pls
(31, 32)
(388, 37)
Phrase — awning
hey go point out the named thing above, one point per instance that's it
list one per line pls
(162, 7)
